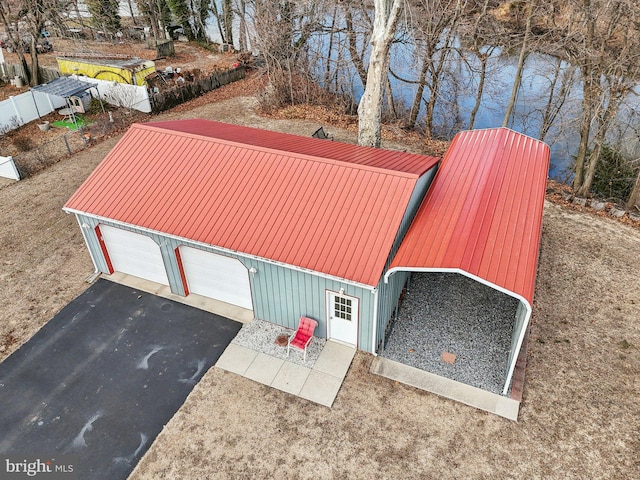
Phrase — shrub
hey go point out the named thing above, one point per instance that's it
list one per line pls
(615, 175)
(95, 106)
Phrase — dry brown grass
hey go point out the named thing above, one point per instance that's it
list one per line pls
(579, 417)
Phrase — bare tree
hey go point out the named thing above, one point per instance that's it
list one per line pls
(8, 21)
(243, 31)
(357, 48)
(157, 14)
(283, 29)
(634, 198)
(603, 40)
(24, 22)
(521, 59)
(483, 54)
(433, 28)
(557, 96)
(387, 15)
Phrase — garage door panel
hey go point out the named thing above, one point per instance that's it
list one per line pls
(134, 254)
(216, 276)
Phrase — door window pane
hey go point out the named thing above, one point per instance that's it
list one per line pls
(342, 307)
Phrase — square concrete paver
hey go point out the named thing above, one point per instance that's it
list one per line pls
(236, 359)
(264, 368)
(291, 378)
(321, 388)
(335, 359)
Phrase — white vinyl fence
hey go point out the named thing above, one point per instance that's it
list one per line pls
(8, 168)
(133, 97)
(24, 108)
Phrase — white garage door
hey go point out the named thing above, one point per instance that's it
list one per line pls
(216, 276)
(134, 254)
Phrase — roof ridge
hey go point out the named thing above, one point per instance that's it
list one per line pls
(502, 129)
(304, 156)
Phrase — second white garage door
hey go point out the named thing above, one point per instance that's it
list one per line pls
(216, 276)
(134, 254)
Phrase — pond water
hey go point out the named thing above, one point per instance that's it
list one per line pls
(457, 96)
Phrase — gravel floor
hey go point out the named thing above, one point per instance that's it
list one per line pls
(260, 335)
(448, 312)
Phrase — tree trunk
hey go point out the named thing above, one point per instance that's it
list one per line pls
(133, 17)
(216, 14)
(16, 42)
(417, 99)
(521, 59)
(436, 77)
(327, 72)
(78, 16)
(387, 14)
(634, 198)
(243, 26)
(589, 99)
(227, 13)
(390, 103)
(555, 104)
(604, 121)
(35, 71)
(356, 57)
(484, 58)
(437, 68)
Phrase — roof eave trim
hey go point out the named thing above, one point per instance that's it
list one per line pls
(515, 295)
(222, 249)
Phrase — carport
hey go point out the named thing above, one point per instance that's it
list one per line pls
(482, 220)
(66, 87)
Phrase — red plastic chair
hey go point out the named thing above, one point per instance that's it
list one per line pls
(303, 336)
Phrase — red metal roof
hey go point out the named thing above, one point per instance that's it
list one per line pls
(374, 157)
(321, 213)
(483, 212)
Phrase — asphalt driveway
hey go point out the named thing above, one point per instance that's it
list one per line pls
(101, 379)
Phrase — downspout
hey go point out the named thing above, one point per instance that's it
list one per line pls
(375, 321)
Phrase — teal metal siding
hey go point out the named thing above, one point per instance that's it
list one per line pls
(167, 246)
(280, 294)
(419, 192)
(388, 296)
(389, 293)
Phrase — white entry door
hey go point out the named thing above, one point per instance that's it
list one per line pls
(342, 318)
(216, 276)
(134, 254)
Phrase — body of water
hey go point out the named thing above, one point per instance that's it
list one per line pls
(457, 96)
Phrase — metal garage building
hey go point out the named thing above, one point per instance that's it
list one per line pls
(279, 224)
(287, 226)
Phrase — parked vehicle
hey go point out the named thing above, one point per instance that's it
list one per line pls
(41, 47)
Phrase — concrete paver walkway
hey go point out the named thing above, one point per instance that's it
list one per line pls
(445, 387)
(319, 384)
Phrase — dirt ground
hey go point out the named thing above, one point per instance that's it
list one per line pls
(189, 56)
(579, 416)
